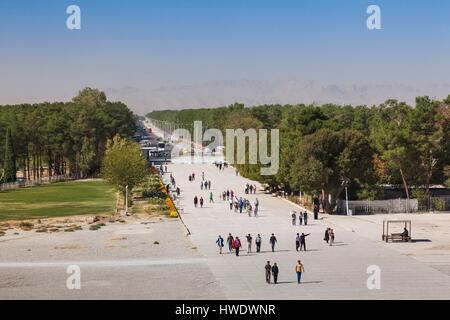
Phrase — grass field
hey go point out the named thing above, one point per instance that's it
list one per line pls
(57, 200)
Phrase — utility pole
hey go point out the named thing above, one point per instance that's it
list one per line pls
(346, 198)
(126, 200)
(345, 184)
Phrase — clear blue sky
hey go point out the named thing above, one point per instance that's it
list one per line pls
(155, 43)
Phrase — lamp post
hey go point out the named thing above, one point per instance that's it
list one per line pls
(345, 183)
(346, 198)
(126, 200)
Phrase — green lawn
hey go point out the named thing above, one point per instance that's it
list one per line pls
(57, 200)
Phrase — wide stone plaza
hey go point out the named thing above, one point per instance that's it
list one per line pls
(155, 259)
(416, 270)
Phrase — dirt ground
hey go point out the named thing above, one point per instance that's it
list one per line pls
(134, 259)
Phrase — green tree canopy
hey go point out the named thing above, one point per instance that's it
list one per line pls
(123, 164)
(9, 164)
(329, 160)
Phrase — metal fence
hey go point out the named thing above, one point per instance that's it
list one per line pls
(441, 203)
(32, 183)
(379, 206)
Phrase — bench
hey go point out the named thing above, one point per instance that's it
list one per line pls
(398, 237)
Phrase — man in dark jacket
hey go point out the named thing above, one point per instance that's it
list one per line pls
(303, 241)
(237, 245)
(273, 241)
(275, 272)
(230, 241)
(268, 268)
(219, 242)
(327, 235)
(297, 242)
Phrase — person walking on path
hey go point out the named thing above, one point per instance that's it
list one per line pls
(273, 241)
(237, 245)
(331, 237)
(201, 202)
(211, 199)
(256, 207)
(219, 242)
(327, 235)
(305, 218)
(297, 242)
(258, 243)
(249, 243)
(299, 269)
(231, 204)
(230, 241)
(300, 218)
(275, 272)
(294, 218)
(195, 201)
(303, 241)
(268, 268)
(201, 185)
(249, 209)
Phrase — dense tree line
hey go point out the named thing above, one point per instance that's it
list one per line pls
(62, 137)
(325, 148)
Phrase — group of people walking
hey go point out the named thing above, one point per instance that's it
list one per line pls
(300, 241)
(200, 200)
(221, 165)
(250, 188)
(206, 184)
(242, 204)
(329, 236)
(274, 271)
(302, 218)
(234, 243)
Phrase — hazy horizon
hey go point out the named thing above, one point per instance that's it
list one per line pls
(175, 54)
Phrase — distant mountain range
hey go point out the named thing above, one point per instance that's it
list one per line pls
(255, 92)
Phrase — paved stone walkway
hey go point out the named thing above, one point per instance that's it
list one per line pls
(337, 272)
